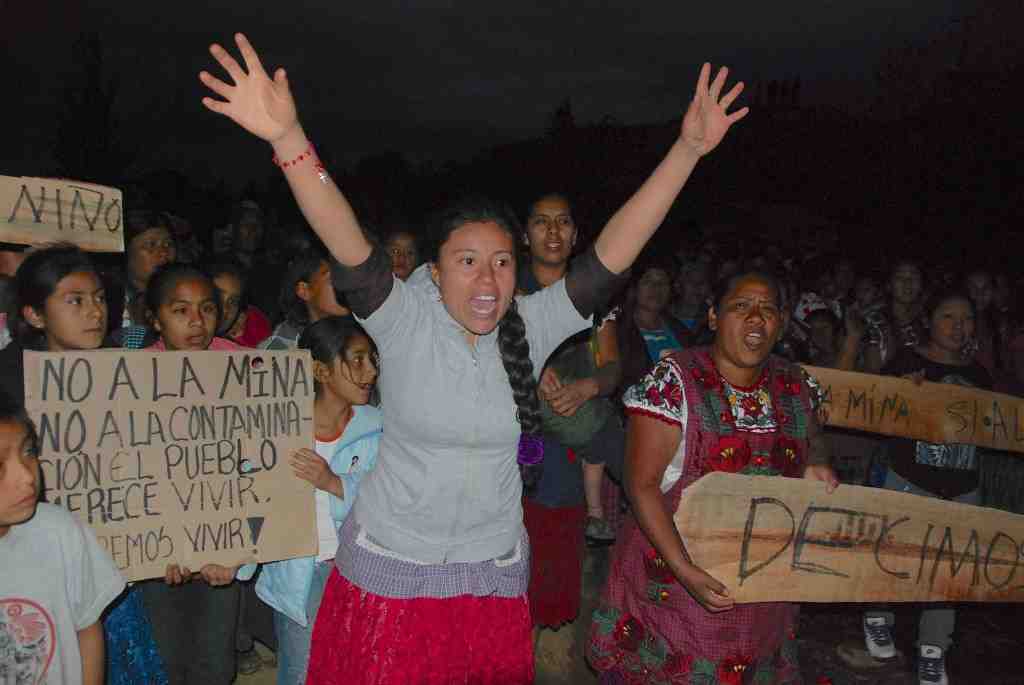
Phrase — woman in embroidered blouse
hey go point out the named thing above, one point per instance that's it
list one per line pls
(728, 407)
(440, 518)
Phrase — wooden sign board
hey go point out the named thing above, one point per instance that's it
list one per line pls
(43, 211)
(933, 412)
(177, 457)
(787, 540)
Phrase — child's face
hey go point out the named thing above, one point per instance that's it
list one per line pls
(352, 374)
(229, 289)
(187, 319)
(19, 476)
(404, 255)
(75, 315)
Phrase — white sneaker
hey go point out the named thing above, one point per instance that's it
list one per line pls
(931, 666)
(878, 638)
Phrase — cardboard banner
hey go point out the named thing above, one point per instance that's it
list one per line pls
(42, 211)
(786, 539)
(934, 412)
(177, 457)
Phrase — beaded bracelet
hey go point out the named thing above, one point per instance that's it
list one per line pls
(309, 153)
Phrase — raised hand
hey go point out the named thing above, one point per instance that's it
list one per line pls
(706, 120)
(259, 104)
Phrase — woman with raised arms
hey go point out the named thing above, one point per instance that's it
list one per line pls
(432, 567)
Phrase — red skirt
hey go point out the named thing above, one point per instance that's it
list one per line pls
(556, 562)
(365, 639)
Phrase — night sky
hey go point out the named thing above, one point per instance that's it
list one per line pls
(434, 80)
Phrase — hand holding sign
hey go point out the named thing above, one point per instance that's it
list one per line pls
(177, 575)
(823, 473)
(217, 575)
(709, 592)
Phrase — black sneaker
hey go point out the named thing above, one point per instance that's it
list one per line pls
(878, 638)
(931, 666)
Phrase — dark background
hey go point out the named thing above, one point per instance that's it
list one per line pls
(883, 124)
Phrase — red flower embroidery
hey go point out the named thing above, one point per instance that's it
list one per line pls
(786, 456)
(751, 406)
(730, 455)
(629, 633)
(708, 379)
(730, 671)
(674, 395)
(653, 395)
(657, 569)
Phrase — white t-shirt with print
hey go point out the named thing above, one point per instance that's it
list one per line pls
(55, 580)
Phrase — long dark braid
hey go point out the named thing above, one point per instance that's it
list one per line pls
(515, 357)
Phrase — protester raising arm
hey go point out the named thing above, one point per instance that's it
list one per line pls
(264, 106)
(704, 125)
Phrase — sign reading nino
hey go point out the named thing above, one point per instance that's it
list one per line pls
(43, 211)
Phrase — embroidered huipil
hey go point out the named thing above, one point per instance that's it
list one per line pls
(647, 627)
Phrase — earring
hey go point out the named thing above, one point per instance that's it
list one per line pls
(439, 298)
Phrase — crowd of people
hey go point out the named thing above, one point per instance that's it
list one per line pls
(475, 386)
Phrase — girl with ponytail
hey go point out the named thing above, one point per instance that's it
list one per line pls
(430, 577)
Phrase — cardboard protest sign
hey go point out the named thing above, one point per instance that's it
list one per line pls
(786, 539)
(177, 457)
(934, 412)
(41, 211)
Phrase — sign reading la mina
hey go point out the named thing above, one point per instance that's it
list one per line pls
(934, 412)
(176, 457)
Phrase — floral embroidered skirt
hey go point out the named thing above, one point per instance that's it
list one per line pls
(556, 562)
(648, 629)
(365, 639)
